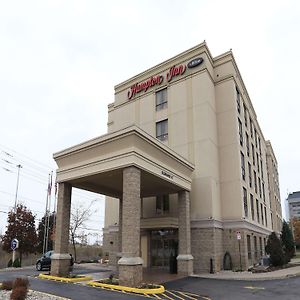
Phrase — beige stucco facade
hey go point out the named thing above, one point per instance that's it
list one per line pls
(191, 185)
(211, 124)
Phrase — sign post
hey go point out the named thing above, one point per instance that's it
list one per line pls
(14, 245)
(238, 237)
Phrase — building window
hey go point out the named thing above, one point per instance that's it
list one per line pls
(250, 174)
(260, 246)
(257, 162)
(255, 133)
(162, 205)
(162, 130)
(257, 211)
(249, 247)
(272, 221)
(266, 219)
(262, 214)
(259, 187)
(161, 99)
(245, 116)
(259, 146)
(245, 202)
(253, 155)
(263, 192)
(238, 100)
(251, 128)
(255, 181)
(243, 166)
(261, 170)
(252, 206)
(255, 248)
(247, 144)
(241, 132)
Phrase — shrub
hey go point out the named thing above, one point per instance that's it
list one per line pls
(17, 263)
(7, 285)
(18, 293)
(274, 248)
(287, 242)
(9, 264)
(21, 282)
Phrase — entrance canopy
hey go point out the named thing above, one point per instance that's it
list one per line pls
(97, 165)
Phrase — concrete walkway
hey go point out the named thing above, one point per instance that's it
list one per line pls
(278, 274)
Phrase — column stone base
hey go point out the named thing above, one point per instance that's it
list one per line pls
(131, 276)
(185, 264)
(60, 265)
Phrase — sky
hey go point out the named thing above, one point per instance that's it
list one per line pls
(60, 61)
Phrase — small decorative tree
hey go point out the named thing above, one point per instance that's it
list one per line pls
(287, 242)
(274, 249)
(20, 225)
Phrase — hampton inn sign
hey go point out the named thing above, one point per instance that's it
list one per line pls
(158, 80)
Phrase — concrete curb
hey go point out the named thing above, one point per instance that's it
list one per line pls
(246, 278)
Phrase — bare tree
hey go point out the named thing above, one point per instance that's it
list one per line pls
(80, 214)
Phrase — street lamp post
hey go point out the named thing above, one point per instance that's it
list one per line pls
(16, 197)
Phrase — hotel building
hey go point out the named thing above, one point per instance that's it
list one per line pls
(185, 168)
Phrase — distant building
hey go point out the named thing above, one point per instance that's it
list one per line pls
(294, 205)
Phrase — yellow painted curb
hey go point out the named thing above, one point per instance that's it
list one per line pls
(65, 279)
(158, 290)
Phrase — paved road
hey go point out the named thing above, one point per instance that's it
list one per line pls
(285, 289)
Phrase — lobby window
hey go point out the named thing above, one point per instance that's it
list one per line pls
(249, 246)
(238, 100)
(257, 211)
(245, 202)
(162, 205)
(241, 132)
(260, 246)
(245, 116)
(252, 206)
(162, 130)
(161, 99)
(255, 181)
(255, 247)
(250, 174)
(243, 166)
(247, 144)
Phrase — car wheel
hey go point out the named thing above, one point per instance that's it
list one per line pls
(39, 266)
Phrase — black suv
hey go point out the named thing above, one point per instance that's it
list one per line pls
(45, 261)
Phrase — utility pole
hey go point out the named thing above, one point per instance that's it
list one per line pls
(17, 188)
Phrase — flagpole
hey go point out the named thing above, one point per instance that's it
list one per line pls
(46, 214)
(48, 209)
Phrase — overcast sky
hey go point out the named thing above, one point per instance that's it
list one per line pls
(60, 61)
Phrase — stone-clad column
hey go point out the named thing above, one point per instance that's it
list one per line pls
(119, 253)
(184, 258)
(130, 265)
(60, 260)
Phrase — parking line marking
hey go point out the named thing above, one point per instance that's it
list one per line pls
(165, 295)
(186, 295)
(178, 297)
(254, 287)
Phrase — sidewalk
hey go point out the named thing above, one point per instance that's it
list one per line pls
(278, 274)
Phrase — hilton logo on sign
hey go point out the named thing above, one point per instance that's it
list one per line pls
(195, 62)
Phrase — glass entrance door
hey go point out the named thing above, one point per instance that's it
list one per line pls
(164, 244)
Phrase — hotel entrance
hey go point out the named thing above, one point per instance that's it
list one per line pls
(163, 247)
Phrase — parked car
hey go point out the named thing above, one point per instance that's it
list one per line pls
(45, 261)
